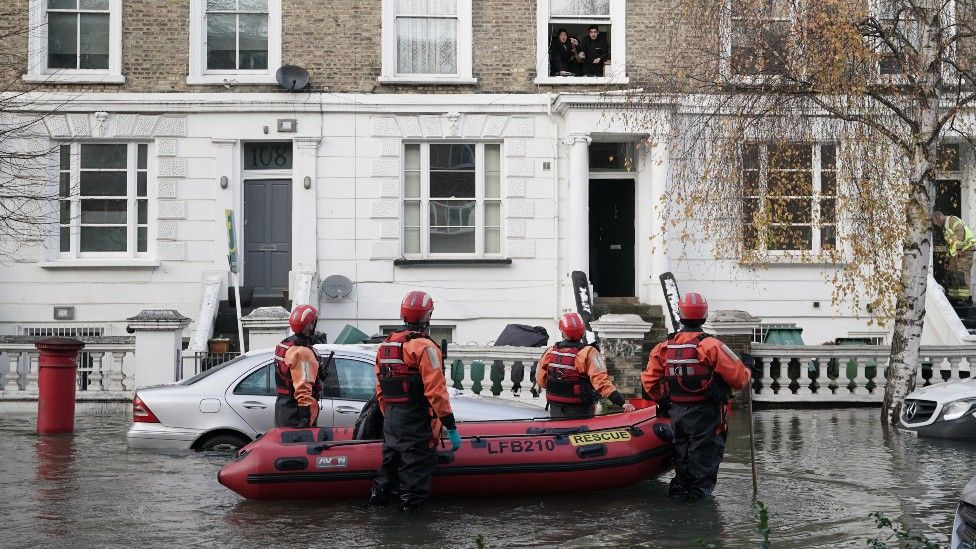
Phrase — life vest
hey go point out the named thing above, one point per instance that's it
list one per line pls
(283, 381)
(565, 384)
(689, 380)
(955, 245)
(400, 382)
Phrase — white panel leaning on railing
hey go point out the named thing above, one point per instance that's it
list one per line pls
(105, 368)
(846, 373)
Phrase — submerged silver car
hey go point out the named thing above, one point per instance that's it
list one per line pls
(964, 527)
(943, 410)
(229, 405)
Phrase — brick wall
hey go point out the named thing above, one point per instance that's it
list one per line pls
(340, 43)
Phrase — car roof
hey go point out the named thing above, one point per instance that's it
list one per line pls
(356, 350)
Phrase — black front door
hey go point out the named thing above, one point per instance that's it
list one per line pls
(267, 235)
(612, 237)
(948, 200)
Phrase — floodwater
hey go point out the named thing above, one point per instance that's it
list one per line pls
(821, 473)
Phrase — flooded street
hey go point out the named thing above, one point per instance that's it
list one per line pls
(821, 472)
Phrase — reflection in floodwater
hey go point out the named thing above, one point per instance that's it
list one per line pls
(821, 473)
(54, 456)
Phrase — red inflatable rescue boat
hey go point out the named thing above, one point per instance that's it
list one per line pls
(496, 458)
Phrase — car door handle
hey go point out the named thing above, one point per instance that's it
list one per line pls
(347, 410)
(254, 405)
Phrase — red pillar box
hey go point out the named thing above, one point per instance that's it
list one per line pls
(56, 383)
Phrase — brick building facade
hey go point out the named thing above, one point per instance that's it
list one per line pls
(537, 188)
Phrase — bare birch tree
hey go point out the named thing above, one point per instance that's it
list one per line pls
(811, 132)
(28, 199)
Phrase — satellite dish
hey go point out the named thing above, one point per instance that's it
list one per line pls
(292, 77)
(336, 287)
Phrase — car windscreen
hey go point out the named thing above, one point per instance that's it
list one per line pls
(210, 371)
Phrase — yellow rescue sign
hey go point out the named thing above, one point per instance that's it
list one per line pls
(600, 437)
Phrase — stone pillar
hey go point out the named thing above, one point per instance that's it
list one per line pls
(266, 327)
(578, 225)
(621, 340)
(734, 329)
(159, 340)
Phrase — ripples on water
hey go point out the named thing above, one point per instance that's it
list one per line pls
(822, 472)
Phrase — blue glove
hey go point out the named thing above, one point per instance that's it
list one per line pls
(455, 439)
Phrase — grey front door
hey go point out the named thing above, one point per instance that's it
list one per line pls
(267, 235)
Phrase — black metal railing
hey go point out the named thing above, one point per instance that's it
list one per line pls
(203, 361)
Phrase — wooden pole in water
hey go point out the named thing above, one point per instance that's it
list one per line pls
(752, 447)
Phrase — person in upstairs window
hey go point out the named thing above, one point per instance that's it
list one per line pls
(594, 52)
(563, 60)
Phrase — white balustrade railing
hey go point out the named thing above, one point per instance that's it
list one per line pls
(846, 373)
(105, 368)
(505, 372)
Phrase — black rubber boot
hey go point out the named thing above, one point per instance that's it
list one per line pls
(378, 498)
(677, 490)
(411, 505)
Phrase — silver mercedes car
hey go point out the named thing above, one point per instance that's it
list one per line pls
(227, 406)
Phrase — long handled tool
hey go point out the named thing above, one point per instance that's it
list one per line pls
(749, 361)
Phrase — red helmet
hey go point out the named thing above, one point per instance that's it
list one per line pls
(692, 307)
(572, 327)
(416, 308)
(302, 317)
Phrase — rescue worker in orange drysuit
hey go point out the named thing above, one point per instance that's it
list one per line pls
(574, 373)
(297, 372)
(412, 395)
(695, 372)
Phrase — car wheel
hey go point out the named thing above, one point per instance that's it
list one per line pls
(223, 443)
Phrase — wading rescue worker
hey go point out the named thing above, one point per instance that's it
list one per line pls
(573, 373)
(961, 244)
(297, 372)
(696, 372)
(412, 395)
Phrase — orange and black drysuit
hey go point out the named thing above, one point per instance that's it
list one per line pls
(412, 395)
(695, 372)
(296, 383)
(573, 373)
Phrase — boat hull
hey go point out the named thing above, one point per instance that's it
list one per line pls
(496, 458)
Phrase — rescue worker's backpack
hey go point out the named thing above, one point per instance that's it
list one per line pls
(565, 384)
(688, 379)
(400, 382)
(283, 381)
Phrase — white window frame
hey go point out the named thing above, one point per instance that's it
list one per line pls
(479, 193)
(816, 249)
(948, 19)
(725, 61)
(37, 69)
(132, 159)
(200, 75)
(618, 48)
(464, 75)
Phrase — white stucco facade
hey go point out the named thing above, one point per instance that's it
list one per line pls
(349, 221)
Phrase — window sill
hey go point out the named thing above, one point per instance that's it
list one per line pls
(427, 80)
(473, 262)
(73, 78)
(99, 264)
(800, 259)
(229, 79)
(581, 80)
